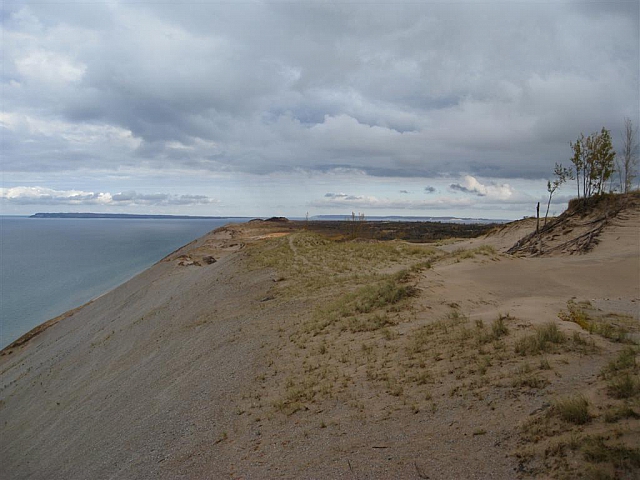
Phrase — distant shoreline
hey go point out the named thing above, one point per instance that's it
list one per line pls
(126, 215)
(375, 218)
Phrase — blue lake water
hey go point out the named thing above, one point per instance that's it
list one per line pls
(48, 266)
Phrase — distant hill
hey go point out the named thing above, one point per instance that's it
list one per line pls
(400, 218)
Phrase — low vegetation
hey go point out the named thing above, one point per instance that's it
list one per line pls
(621, 374)
(317, 263)
(544, 339)
(610, 326)
(486, 250)
(573, 409)
(601, 428)
(366, 340)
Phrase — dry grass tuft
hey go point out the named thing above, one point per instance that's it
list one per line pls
(620, 413)
(623, 386)
(622, 375)
(607, 326)
(543, 340)
(573, 409)
(596, 450)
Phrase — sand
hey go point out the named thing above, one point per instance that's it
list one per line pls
(261, 364)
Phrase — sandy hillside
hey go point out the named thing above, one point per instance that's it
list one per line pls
(297, 356)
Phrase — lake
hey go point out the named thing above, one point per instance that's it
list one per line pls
(51, 265)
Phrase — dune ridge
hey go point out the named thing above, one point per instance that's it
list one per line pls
(294, 354)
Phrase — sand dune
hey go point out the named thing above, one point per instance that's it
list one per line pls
(292, 356)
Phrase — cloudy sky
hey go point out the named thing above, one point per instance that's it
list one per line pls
(283, 108)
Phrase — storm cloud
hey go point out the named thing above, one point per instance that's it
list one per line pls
(489, 90)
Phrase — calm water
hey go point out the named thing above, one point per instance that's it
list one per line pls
(48, 266)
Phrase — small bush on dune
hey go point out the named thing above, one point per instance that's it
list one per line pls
(549, 333)
(596, 450)
(499, 327)
(624, 386)
(622, 375)
(542, 340)
(625, 360)
(620, 413)
(388, 292)
(573, 409)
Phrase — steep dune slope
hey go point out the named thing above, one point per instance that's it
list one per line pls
(578, 229)
(136, 379)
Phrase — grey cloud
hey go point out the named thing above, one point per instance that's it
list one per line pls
(461, 188)
(377, 203)
(45, 196)
(389, 89)
(335, 195)
(404, 191)
(429, 189)
(134, 198)
(342, 196)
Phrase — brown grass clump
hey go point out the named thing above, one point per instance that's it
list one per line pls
(573, 409)
(486, 250)
(620, 413)
(624, 386)
(543, 340)
(622, 375)
(626, 360)
(595, 449)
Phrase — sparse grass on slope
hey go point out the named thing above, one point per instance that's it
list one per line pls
(543, 340)
(610, 326)
(367, 346)
(313, 263)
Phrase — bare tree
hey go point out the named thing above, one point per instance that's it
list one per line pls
(356, 224)
(628, 163)
(562, 175)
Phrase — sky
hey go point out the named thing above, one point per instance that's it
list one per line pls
(262, 108)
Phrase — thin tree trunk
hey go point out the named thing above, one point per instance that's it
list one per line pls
(548, 205)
